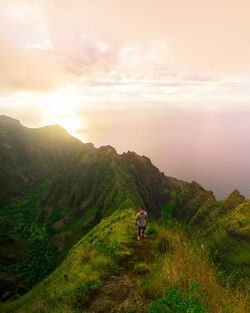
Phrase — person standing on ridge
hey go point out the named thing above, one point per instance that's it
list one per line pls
(142, 222)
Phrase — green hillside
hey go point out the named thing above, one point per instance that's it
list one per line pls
(64, 188)
(109, 271)
(29, 156)
(67, 231)
(224, 228)
(94, 255)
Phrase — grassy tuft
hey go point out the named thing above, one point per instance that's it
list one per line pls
(181, 261)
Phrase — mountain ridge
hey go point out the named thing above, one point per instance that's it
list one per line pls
(83, 184)
(55, 189)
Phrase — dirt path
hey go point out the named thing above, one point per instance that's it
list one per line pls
(122, 292)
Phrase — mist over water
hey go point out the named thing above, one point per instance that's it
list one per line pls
(210, 147)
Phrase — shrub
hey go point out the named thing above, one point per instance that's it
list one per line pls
(175, 300)
(151, 229)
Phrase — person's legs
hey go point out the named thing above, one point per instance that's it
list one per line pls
(138, 232)
(142, 231)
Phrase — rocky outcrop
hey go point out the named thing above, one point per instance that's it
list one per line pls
(193, 204)
(232, 201)
(238, 224)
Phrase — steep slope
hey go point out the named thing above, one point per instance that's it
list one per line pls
(29, 156)
(55, 189)
(69, 287)
(29, 159)
(225, 229)
(100, 183)
(194, 204)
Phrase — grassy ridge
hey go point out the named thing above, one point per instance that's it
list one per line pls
(178, 265)
(67, 289)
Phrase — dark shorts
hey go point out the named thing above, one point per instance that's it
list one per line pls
(141, 227)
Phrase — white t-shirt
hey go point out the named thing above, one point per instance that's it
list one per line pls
(141, 219)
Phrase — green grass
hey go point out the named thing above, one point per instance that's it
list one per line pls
(175, 300)
(180, 277)
(167, 210)
(219, 203)
(180, 261)
(68, 288)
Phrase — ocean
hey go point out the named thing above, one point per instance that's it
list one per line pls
(209, 147)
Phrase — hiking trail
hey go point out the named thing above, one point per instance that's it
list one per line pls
(122, 292)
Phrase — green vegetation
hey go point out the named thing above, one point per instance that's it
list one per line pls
(223, 227)
(177, 277)
(39, 221)
(64, 200)
(183, 263)
(36, 258)
(174, 300)
(151, 229)
(68, 288)
(219, 203)
(167, 210)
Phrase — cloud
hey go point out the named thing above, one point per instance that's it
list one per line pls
(46, 44)
(41, 49)
(32, 70)
(210, 36)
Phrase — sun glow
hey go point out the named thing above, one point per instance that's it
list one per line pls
(64, 116)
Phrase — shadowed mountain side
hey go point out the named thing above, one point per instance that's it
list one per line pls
(232, 201)
(29, 156)
(193, 204)
(225, 229)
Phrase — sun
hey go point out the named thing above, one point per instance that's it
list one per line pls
(64, 116)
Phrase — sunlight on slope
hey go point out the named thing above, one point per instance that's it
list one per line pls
(64, 116)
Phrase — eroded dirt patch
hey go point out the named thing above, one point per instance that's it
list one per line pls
(122, 292)
(118, 294)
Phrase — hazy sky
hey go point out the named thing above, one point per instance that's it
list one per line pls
(99, 67)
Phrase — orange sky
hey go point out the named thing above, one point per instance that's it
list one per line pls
(60, 58)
